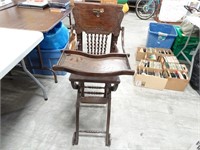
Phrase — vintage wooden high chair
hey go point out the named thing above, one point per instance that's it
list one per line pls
(96, 59)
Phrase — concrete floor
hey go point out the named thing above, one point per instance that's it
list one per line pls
(141, 119)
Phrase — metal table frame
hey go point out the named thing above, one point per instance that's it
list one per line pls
(196, 23)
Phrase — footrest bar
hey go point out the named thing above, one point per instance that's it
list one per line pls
(92, 131)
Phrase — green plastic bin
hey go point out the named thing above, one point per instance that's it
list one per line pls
(122, 1)
(180, 42)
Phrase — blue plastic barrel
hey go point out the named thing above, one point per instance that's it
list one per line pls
(56, 38)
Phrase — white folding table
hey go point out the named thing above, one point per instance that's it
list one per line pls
(15, 44)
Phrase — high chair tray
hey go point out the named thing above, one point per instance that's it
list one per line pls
(81, 63)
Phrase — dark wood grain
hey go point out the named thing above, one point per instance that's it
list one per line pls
(101, 23)
(108, 21)
(94, 65)
(31, 19)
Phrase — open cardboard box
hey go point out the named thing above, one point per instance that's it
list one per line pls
(157, 82)
(140, 53)
(143, 52)
(150, 81)
(150, 65)
(173, 67)
(168, 59)
(177, 84)
(173, 76)
(164, 52)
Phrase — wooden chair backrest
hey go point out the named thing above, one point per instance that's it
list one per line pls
(97, 21)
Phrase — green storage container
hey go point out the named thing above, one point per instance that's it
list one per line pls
(180, 42)
(122, 1)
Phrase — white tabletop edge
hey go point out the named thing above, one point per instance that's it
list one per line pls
(15, 44)
(194, 20)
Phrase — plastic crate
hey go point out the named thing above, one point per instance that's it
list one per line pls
(188, 51)
(161, 35)
(181, 38)
(49, 58)
(180, 42)
(122, 1)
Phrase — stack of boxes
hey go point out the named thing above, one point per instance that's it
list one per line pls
(160, 69)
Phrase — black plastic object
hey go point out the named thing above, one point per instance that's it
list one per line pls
(194, 81)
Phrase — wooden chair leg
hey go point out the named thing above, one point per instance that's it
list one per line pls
(108, 95)
(76, 133)
(108, 140)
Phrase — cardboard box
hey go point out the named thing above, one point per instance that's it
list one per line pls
(177, 84)
(140, 53)
(150, 81)
(150, 65)
(145, 77)
(168, 59)
(171, 76)
(164, 52)
(173, 67)
(146, 53)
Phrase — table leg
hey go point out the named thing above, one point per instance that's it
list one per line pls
(41, 64)
(32, 77)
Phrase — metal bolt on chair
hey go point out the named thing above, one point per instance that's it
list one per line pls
(97, 58)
